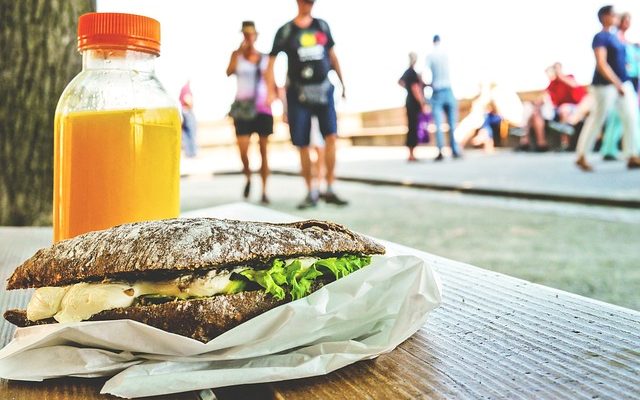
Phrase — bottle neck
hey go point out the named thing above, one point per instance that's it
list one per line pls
(101, 59)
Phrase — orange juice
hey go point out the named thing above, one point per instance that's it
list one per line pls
(114, 167)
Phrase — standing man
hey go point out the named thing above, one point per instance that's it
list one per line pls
(442, 100)
(611, 89)
(308, 43)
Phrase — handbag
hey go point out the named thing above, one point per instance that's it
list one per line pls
(423, 127)
(243, 109)
(314, 94)
(246, 109)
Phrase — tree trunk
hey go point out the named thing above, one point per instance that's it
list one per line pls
(38, 57)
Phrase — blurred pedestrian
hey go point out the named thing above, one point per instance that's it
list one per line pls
(613, 130)
(611, 89)
(188, 122)
(250, 111)
(442, 100)
(415, 103)
(632, 50)
(308, 43)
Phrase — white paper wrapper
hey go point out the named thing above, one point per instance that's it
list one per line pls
(359, 317)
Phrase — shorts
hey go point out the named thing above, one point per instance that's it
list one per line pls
(300, 118)
(262, 124)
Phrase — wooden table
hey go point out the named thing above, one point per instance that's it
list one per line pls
(493, 337)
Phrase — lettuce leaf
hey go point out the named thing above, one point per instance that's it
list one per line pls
(281, 280)
(343, 266)
(264, 279)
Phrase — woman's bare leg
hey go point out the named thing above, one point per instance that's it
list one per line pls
(264, 167)
(243, 147)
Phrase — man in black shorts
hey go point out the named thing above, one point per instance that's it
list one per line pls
(308, 43)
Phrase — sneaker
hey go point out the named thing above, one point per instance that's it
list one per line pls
(562, 128)
(247, 190)
(439, 158)
(609, 157)
(542, 149)
(332, 198)
(634, 163)
(523, 147)
(308, 202)
(584, 165)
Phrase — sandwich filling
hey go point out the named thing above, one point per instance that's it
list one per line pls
(291, 277)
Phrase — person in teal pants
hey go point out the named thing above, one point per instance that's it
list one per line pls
(612, 135)
(613, 130)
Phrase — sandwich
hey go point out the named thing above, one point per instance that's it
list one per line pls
(196, 277)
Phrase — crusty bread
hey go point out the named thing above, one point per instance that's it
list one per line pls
(157, 249)
(200, 319)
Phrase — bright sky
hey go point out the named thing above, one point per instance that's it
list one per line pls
(510, 42)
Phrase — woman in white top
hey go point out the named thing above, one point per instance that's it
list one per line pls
(252, 113)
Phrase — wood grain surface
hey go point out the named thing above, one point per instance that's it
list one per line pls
(493, 337)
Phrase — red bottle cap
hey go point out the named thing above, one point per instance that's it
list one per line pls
(118, 31)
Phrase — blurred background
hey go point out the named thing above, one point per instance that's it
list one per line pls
(491, 40)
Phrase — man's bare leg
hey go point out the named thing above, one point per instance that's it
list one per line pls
(330, 165)
(330, 158)
(305, 164)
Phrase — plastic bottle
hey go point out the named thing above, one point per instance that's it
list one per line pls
(117, 131)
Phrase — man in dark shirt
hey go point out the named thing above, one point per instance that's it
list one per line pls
(415, 103)
(308, 44)
(611, 88)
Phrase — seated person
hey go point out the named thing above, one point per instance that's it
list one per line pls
(533, 120)
(568, 103)
(493, 105)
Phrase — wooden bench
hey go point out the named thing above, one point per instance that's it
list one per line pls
(493, 337)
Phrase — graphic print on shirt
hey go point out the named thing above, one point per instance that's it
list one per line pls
(311, 49)
(307, 50)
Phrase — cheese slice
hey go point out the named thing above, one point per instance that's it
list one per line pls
(83, 300)
(80, 301)
(45, 302)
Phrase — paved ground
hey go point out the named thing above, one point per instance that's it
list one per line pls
(505, 171)
(589, 250)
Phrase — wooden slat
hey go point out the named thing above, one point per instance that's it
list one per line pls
(16, 245)
(497, 337)
(69, 388)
